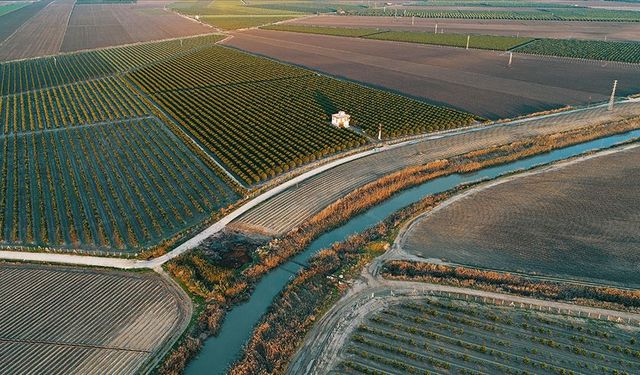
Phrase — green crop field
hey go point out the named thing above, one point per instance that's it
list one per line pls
(579, 14)
(8, 8)
(437, 336)
(586, 49)
(241, 22)
(492, 42)
(335, 31)
(109, 187)
(21, 76)
(261, 118)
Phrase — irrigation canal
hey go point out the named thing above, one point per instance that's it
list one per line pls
(218, 353)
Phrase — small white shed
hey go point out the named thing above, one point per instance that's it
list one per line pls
(340, 119)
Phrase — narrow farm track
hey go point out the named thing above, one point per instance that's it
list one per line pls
(291, 202)
(59, 320)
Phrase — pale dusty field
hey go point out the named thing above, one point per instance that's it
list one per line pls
(41, 35)
(104, 25)
(580, 221)
(59, 320)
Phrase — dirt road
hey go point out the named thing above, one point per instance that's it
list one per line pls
(321, 349)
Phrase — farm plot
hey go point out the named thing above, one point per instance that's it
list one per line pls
(8, 8)
(112, 187)
(104, 25)
(101, 100)
(438, 335)
(21, 76)
(582, 14)
(501, 43)
(476, 81)
(41, 35)
(59, 320)
(533, 29)
(9, 23)
(283, 120)
(585, 49)
(581, 223)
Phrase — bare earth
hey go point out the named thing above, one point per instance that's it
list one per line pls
(476, 81)
(538, 29)
(41, 35)
(104, 25)
(580, 221)
(59, 320)
(293, 206)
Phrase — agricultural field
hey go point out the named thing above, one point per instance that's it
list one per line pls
(10, 22)
(620, 31)
(595, 50)
(242, 22)
(103, 25)
(60, 320)
(578, 14)
(127, 185)
(40, 35)
(233, 15)
(21, 76)
(8, 8)
(492, 42)
(475, 81)
(292, 207)
(440, 335)
(581, 223)
(270, 130)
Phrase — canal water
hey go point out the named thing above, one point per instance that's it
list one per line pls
(219, 352)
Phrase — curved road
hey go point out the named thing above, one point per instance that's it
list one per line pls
(306, 194)
(320, 352)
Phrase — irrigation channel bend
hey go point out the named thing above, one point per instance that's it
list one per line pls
(219, 353)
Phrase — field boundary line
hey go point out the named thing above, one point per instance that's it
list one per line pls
(83, 126)
(147, 97)
(56, 343)
(216, 227)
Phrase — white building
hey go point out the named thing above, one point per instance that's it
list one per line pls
(340, 119)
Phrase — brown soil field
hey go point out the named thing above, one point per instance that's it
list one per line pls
(104, 25)
(9, 23)
(41, 35)
(59, 320)
(538, 29)
(293, 206)
(580, 221)
(475, 81)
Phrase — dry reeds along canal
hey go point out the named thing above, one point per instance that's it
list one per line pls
(221, 351)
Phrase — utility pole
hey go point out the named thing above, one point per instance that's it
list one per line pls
(436, 28)
(380, 132)
(613, 95)
(413, 20)
(510, 58)
(468, 38)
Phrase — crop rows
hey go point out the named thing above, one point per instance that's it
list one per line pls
(96, 321)
(72, 105)
(445, 336)
(261, 118)
(110, 186)
(586, 49)
(26, 75)
(492, 42)
(523, 15)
